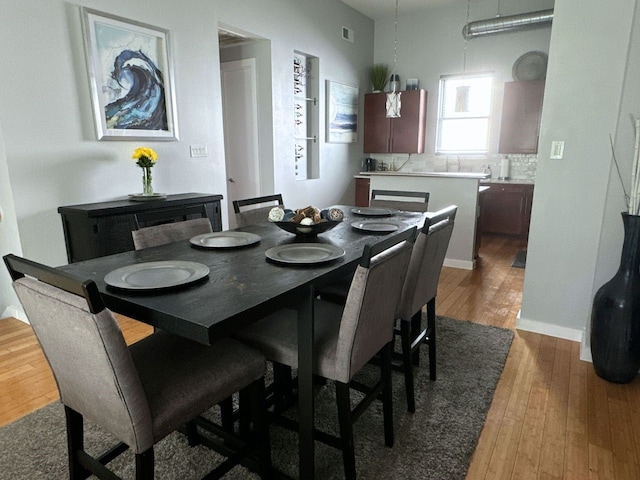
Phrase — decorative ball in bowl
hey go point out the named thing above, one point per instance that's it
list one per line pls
(308, 221)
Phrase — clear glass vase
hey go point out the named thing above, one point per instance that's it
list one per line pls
(147, 185)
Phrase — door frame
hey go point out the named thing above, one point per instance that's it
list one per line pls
(248, 64)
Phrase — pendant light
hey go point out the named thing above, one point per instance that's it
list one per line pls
(393, 98)
(462, 91)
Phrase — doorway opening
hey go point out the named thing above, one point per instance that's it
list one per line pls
(245, 70)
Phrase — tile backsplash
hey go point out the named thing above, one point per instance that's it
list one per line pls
(521, 167)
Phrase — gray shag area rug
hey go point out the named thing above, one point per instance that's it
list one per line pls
(435, 442)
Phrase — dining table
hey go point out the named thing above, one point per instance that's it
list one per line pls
(244, 281)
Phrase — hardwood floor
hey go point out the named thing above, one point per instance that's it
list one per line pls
(551, 416)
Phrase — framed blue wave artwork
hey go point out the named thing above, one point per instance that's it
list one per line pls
(342, 113)
(131, 78)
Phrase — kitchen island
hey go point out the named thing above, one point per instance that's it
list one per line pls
(445, 188)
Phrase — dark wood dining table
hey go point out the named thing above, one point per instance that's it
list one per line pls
(242, 287)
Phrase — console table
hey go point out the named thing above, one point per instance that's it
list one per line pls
(97, 229)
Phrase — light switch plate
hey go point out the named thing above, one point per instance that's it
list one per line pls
(557, 150)
(198, 151)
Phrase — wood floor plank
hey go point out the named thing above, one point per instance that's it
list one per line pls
(633, 394)
(577, 454)
(482, 455)
(553, 446)
(506, 447)
(600, 463)
(599, 424)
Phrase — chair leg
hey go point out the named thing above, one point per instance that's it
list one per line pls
(258, 407)
(416, 329)
(431, 329)
(226, 414)
(346, 429)
(407, 364)
(281, 386)
(244, 420)
(387, 393)
(144, 465)
(191, 430)
(75, 443)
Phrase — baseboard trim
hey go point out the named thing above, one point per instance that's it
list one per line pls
(463, 264)
(549, 329)
(15, 312)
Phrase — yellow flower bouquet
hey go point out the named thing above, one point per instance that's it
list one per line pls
(145, 158)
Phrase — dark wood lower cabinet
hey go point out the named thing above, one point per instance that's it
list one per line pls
(362, 192)
(97, 229)
(506, 209)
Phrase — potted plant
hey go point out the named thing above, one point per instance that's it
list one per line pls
(379, 76)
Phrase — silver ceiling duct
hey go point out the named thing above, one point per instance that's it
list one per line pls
(502, 24)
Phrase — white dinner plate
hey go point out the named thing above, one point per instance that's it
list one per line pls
(304, 253)
(376, 226)
(372, 212)
(156, 275)
(230, 239)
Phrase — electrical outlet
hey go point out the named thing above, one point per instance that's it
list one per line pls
(198, 151)
(557, 150)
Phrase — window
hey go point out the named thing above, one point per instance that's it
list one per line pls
(463, 113)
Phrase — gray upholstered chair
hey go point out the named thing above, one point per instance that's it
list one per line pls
(140, 393)
(420, 289)
(347, 337)
(400, 200)
(170, 232)
(394, 199)
(257, 211)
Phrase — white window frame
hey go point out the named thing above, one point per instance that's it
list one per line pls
(462, 116)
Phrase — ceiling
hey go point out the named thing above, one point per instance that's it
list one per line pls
(374, 9)
(377, 9)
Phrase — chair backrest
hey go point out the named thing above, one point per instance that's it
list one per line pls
(168, 215)
(256, 212)
(369, 313)
(421, 282)
(408, 201)
(86, 350)
(170, 232)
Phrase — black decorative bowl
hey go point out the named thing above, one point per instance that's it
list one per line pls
(307, 230)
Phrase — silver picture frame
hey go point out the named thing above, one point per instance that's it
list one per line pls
(131, 78)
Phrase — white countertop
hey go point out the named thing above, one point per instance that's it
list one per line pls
(484, 178)
(478, 176)
(520, 181)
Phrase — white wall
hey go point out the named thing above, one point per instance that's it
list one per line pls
(576, 231)
(314, 28)
(9, 239)
(52, 153)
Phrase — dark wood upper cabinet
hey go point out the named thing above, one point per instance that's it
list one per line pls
(404, 134)
(521, 111)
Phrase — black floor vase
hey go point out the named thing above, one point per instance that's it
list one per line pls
(615, 318)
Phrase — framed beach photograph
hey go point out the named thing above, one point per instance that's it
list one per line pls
(342, 113)
(131, 78)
